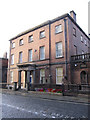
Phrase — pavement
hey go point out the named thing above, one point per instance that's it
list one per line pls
(80, 98)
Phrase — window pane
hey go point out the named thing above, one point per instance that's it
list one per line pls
(21, 42)
(59, 75)
(30, 55)
(74, 32)
(11, 78)
(13, 45)
(42, 53)
(85, 41)
(20, 57)
(58, 28)
(59, 50)
(42, 34)
(81, 38)
(42, 76)
(31, 38)
(12, 59)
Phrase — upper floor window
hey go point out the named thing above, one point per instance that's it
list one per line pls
(74, 32)
(30, 38)
(85, 41)
(59, 50)
(58, 28)
(20, 57)
(81, 38)
(21, 42)
(30, 55)
(13, 45)
(42, 53)
(12, 59)
(42, 34)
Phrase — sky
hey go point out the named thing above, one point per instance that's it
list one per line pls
(17, 16)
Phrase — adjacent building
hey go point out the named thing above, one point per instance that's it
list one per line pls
(3, 69)
(43, 54)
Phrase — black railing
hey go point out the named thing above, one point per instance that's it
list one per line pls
(80, 57)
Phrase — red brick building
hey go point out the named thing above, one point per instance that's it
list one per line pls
(3, 70)
(43, 54)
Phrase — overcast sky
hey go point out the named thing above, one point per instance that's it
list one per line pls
(17, 16)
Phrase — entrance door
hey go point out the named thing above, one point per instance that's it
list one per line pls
(25, 78)
(31, 77)
(83, 77)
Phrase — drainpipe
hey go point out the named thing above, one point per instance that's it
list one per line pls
(65, 34)
(50, 81)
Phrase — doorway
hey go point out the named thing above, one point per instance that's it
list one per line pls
(83, 76)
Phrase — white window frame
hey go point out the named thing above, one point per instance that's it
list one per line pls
(59, 50)
(61, 76)
(42, 34)
(30, 38)
(42, 76)
(12, 59)
(42, 53)
(58, 28)
(20, 57)
(30, 55)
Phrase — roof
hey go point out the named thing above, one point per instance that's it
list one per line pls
(49, 22)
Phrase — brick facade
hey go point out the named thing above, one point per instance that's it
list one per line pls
(3, 70)
(69, 39)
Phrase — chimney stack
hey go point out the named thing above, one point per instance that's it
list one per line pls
(73, 15)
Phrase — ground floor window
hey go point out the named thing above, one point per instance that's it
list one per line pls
(42, 76)
(59, 75)
(11, 76)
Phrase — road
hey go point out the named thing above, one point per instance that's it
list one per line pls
(17, 106)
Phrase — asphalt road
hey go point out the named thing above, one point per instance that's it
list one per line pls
(17, 106)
